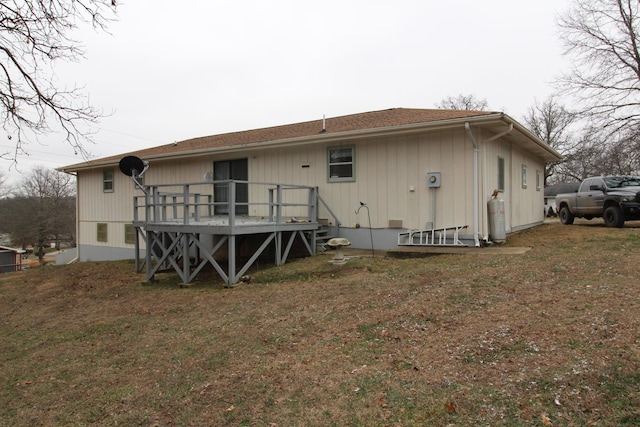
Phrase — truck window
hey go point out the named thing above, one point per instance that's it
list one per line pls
(597, 182)
(622, 181)
(586, 184)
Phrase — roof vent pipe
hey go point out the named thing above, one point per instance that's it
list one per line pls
(324, 124)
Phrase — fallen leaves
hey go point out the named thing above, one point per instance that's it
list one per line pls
(450, 407)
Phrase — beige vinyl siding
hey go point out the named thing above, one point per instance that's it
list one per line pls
(99, 206)
(490, 153)
(388, 168)
(115, 234)
(179, 171)
(116, 208)
(528, 203)
(523, 206)
(385, 171)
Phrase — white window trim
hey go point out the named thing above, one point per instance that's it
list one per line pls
(353, 164)
(502, 184)
(105, 180)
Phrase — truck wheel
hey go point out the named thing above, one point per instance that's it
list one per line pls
(613, 217)
(566, 217)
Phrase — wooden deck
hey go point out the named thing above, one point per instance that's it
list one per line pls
(187, 226)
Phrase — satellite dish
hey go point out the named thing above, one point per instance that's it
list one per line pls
(133, 166)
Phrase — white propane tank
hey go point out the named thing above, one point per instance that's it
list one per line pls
(497, 229)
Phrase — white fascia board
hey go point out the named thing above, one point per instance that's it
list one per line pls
(336, 137)
(554, 156)
(332, 137)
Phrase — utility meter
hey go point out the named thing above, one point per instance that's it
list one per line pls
(433, 179)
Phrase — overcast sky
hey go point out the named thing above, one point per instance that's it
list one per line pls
(173, 70)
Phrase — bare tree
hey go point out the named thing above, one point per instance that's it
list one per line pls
(34, 34)
(46, 201)
(622, 155)
(5, 189)
(551, 122)
(602, 38)
(582, 163)
(463, 102)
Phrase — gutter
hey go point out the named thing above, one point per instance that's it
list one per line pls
(476, 178)
(327, 138)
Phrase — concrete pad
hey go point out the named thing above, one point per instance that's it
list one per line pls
(462, 250)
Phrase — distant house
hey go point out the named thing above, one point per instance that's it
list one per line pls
(381, 158)
(10, 259)
(552, 191)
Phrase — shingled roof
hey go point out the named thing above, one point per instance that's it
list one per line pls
(333, 125)
(353, 122)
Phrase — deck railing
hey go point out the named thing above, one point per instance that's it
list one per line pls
(228, 200)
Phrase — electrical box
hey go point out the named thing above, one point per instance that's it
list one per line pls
(433, 179)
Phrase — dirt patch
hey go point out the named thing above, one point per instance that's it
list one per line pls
(544, 337)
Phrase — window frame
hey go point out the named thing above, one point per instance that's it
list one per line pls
(524, 177)
(129, 234)
(501, 173)
(352, 163)
(538, 180)
(108, 181)
(102, 232)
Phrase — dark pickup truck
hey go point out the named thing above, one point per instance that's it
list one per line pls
(614, 198)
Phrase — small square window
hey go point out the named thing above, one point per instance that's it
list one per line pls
(107, 181)
(341, 164)
(102, 232)
(129, 234)
(524, 176)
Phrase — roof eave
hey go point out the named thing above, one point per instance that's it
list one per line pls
(551, 155)
(328, 138)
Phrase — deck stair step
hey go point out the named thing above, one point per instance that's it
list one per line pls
(322, 237)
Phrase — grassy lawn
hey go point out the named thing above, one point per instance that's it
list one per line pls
(549, 337)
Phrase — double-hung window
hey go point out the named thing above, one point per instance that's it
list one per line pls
(341, 164)
(107, 181)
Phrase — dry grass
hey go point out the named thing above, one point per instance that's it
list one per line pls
(545, 338)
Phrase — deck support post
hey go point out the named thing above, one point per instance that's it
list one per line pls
(150, 243)
(231, 255)
(278, 248)
(173, 223)
(186, 261)
(137, 249)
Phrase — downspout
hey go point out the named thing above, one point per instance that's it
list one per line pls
(476, 177)
(77, 257)
(476, 196)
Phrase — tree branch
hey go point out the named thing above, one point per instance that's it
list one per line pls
(34, 35)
